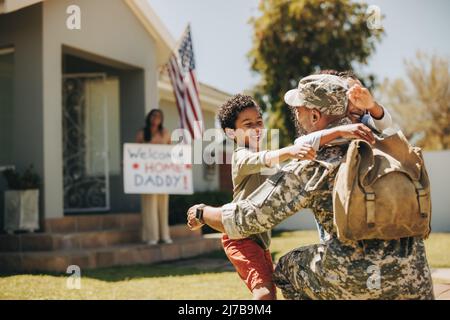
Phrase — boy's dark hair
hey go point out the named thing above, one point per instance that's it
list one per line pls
(230, 110)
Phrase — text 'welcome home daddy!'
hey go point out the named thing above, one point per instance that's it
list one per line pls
(158, 169)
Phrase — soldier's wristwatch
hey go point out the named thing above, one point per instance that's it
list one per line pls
(199, 213)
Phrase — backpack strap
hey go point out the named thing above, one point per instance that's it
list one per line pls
(369, 195)
(422, 199)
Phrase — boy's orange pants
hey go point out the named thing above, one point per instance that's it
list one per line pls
(253, 264)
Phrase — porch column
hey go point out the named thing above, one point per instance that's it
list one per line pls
(52, 120)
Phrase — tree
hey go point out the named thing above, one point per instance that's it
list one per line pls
(421, 105)
(293, 39)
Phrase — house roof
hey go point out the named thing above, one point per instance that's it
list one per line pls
(141, 9)
(153, 24)
(210, 97)
(7, 6)
(156, 28)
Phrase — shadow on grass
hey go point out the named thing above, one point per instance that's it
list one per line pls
(185, 267)
(213, 262)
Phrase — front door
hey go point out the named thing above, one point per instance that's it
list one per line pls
(85, 143)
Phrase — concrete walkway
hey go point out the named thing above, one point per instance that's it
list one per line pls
(441, 279)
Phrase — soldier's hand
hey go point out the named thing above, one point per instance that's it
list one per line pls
(361, 97)
(357, 131)
(302, 152)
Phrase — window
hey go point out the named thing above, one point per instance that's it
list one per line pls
(102, 94)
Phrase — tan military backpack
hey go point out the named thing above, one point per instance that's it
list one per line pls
(382, 191)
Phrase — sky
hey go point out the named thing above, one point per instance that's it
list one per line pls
(222, 36)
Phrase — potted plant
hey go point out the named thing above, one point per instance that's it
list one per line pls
(21, 200)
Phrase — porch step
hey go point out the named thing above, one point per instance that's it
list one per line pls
(83, 223)
(119, 255)
(32, 242)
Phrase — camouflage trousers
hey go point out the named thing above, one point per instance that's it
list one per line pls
(370, 270)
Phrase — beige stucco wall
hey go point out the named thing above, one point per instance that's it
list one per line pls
(437, 167)
(108, 30)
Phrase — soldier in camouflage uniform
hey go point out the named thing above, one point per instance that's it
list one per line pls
(369, 269)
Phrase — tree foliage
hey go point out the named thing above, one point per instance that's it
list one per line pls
(421, 104)
(293, 39)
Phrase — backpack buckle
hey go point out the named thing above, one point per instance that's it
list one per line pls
(421, 199)
(370, 209)
(370, 196)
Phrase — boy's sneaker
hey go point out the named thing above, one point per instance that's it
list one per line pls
(167, 241)
(152, 242)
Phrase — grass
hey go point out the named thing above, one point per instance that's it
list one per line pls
(206, 277)
(438, 250)
(161, 281)
(437, 245)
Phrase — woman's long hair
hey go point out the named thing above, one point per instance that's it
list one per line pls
(148, 118)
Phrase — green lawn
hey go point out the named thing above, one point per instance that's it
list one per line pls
(207, 277)
(437, 245)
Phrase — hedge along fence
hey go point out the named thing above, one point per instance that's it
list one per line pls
(179, 205)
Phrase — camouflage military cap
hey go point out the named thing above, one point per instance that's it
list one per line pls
(324, 92)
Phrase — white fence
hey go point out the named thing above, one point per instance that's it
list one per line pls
(438, 166)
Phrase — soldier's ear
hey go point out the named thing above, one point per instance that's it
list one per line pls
(315, 116)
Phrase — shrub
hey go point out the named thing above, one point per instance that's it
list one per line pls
(28, 180)
(179, 204)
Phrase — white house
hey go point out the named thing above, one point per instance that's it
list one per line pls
(70, 98)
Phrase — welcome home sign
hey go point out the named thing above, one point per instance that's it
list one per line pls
(156, 168)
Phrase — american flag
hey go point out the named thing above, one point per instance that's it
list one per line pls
(185, 87)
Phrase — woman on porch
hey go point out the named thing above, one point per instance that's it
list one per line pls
(155, 207)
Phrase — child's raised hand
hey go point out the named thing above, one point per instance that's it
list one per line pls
(302, 152)
(356, 131)
(361, 97)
